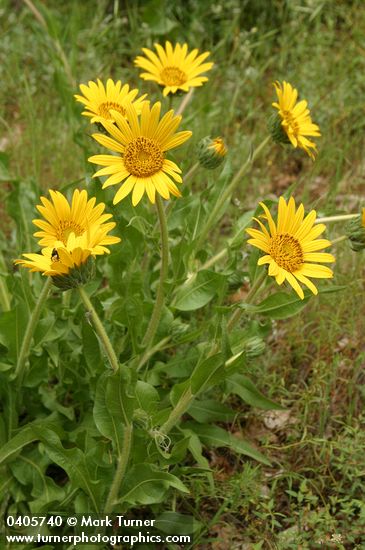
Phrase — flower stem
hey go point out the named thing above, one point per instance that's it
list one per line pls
(32, 323)
(218, 209)
(187, 397)
(100, 330)
(160, 297)
(176, 413)
(338, 218)
(251, 294)
(185, 102)
(121, 469)
(339, 239)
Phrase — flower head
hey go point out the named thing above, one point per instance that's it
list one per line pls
(296, 122)
(355, 231)
(99, 100)
(81, 218)
(211, 152)
(141, 143)
(71, 236)
(291, 245)
(174, 68)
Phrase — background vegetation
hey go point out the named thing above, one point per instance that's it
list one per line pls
(312, 494)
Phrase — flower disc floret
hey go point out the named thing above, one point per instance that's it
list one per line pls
(141, 144)
(291, 246)
(143, 157)
(173, 67)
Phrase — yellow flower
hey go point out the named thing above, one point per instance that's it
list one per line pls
(174, 68)
(58, 262)
(141, 144)
(291, 245)
(295, 118)
(80, 218)
(219, 147)
(99, 100)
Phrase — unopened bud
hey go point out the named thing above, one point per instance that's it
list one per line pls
(355, 230)
(211, 152)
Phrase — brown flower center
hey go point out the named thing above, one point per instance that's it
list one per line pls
(173, 76)
(104, 109)
(143, 157)
(286, 251)
(66, 227)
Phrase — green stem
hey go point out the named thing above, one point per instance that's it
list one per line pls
(251, 294)
(338, 218)
(218, 209)
(121, 469)
(160, 296)
(32, 323)
(191, 171)
(176, 413)
(339, 239)
(185, 102)
(100, 330)
(4, 295)
(187, 397)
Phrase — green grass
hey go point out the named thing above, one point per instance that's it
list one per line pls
(313, 363)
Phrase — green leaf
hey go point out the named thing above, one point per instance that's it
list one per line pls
(199, 293)
(146, 396)
(144, 484)
(217, 437)
(73, 461)
(173, 523)
(210, 410)
(242, 386)
(91, 347)
(207, 373)
(12, 448)
(282, 305)
(113, 408)
(12, 329)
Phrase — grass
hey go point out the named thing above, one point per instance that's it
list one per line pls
(312, 495)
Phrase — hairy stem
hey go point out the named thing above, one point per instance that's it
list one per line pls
(188, 397)
(339, 218)
(29, 331)
(218, 209)
(160, 296)
(121, 469)
(100, 330)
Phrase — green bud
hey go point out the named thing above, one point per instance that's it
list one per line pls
(276, 130)
(355, 230)
(211, 152)
(254, 347)
(77, 276)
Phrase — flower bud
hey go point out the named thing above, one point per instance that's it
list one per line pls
(211, 152)
(355, 230)
(276, 130)
(76, 276)
(254, 347)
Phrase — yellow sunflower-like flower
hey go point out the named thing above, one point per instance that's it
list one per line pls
(80, 218)
(295, 118)
(291, 245)
(72, 235)
(58, 261)
(99, 100)
(141, 143)
(174, 68)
